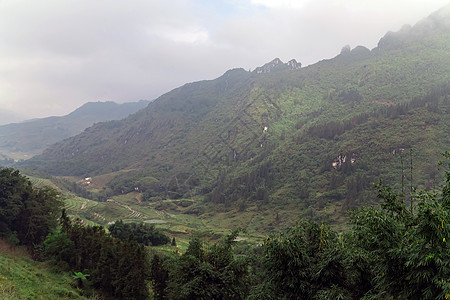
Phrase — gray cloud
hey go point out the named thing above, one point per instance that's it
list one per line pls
(57, 54)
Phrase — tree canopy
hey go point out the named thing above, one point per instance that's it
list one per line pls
(27, 213)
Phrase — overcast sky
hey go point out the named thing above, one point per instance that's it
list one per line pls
(56, 55)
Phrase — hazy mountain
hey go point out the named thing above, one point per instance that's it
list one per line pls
(32, 136)
(312, 137)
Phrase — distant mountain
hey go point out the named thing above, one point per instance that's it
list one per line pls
(33, 136)
(310, 140)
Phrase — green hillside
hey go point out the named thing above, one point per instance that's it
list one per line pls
(23, 278)
(306, 141)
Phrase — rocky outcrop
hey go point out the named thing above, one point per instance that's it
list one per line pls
(342, 159)
(278, 65)
(293, 64)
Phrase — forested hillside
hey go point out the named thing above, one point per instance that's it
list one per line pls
(399, 250)
(330, 181)
(311, 140)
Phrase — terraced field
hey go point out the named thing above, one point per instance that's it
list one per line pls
(178, 218)
(41, 182)
(169, 215)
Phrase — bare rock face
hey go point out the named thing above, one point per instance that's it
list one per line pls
(269, 67)
(278, 65)
(294, 65)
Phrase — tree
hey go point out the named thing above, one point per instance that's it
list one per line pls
(408, 249)
(38, 216)
(14, 188)
(142, 233)
(119, 268)
(158, 276)
(132, 273)
(105, 269)
(26, 212)
(59, 247)
(208, 272)
(306, 262)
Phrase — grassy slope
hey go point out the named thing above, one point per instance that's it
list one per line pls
(23, 278)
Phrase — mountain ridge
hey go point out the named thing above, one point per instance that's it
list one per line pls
(33, 136)
(277, 65)
(272, 138)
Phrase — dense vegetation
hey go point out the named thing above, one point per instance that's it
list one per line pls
(27, 214)
(118, 268)
(400, 249)
(313, 139)
(145, 234)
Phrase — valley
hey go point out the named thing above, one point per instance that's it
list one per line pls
(258, 145)
(326, 181)
(179, 218)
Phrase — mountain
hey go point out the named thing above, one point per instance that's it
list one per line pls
(309, 140)
(33, 136)
(278, 65)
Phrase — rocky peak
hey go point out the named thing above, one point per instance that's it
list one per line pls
(293, 64)
(278, 65)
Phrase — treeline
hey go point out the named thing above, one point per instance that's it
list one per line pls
(203, 272)
(400, 251)
(27, 213)
(349, 95)
(139, 181)
(125, 183)
(249, 186)
(117, 268)
(145, 234)
(431, 101)
(81, 191)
